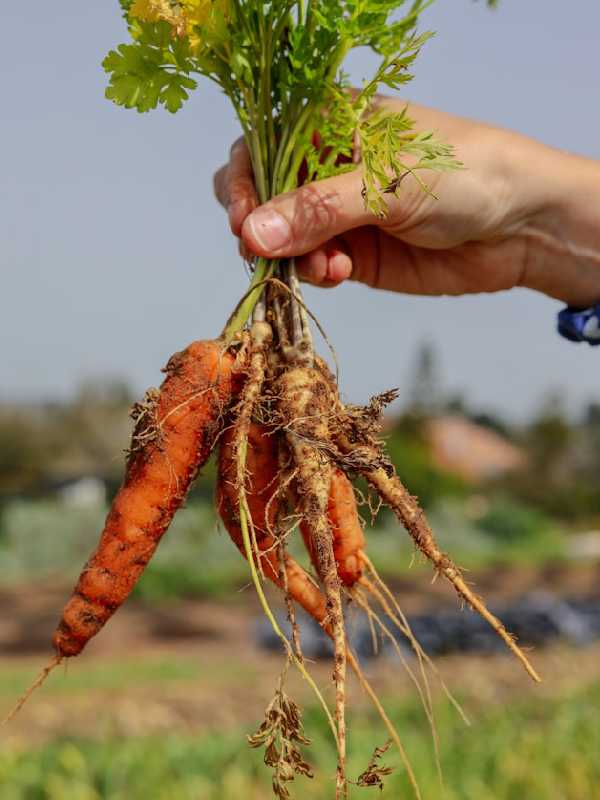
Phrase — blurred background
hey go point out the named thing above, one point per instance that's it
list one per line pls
(114, 254)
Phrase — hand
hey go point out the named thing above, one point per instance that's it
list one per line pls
(510, 218)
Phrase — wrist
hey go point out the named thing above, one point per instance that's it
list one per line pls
(560, 229)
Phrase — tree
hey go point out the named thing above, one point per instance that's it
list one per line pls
(549, 437)
(424, 386)
(22, 453)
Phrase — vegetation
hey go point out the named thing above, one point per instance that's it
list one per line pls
(526, 749)
(44, 540)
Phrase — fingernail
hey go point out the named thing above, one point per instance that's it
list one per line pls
(269, 229)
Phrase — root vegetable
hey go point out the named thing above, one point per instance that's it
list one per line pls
(346, 530)
(173, 438)
(263, 501)
(393, 493)
(303, 396)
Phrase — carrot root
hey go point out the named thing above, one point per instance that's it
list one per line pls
(303, 396)
(41, 679)
(174, 435)
(393, 493)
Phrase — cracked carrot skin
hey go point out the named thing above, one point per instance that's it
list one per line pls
(172, 440)
(262, 486)
(347, 532)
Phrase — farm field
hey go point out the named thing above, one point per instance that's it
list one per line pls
(159, 706)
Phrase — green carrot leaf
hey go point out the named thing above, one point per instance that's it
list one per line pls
(281, 63)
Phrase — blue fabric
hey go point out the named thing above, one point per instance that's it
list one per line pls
(580, 325)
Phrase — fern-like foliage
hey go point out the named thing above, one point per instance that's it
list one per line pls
(281, 64)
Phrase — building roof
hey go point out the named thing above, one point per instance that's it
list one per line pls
(472, 451)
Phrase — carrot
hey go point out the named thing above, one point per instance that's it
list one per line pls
(262, 467)
(304, 402)
(263, 501)
(173, 438)
(346, 530)
(394, 494)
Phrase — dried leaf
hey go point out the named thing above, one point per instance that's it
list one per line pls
(374, 773)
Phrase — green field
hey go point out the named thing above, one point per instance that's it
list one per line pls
(86, 735)
(529, 749)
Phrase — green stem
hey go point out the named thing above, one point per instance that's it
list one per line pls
(266, 102)
(239, 318)
(310, 17)
(292, 179)
(283, 177)
(257, 153)
(285, 135)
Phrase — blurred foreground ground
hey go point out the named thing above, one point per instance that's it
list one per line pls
(159, 705)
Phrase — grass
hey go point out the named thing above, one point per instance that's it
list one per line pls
(108, 675)
(538, 750)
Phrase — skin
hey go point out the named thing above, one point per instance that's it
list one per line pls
(519, 214)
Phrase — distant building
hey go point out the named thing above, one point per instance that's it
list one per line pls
(470, 450)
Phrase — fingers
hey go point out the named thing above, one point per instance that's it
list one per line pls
(386, 262)
(327, 266)
(295, 223)
(372, 257)
(242, 198)
(234, 186)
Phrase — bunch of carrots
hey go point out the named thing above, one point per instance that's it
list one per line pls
(289, 450)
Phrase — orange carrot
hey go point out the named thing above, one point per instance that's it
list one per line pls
(347, 532)
(175, 432)
(262, 468)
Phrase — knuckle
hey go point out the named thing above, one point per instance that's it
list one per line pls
(219, 185)
(241, 191)
(237, 148)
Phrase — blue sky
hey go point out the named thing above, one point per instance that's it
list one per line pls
(113, 252)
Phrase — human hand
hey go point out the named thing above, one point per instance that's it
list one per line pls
(510, 218)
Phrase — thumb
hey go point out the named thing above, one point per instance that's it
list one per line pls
(297, 222)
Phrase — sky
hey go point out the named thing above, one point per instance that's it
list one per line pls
(114, 254)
